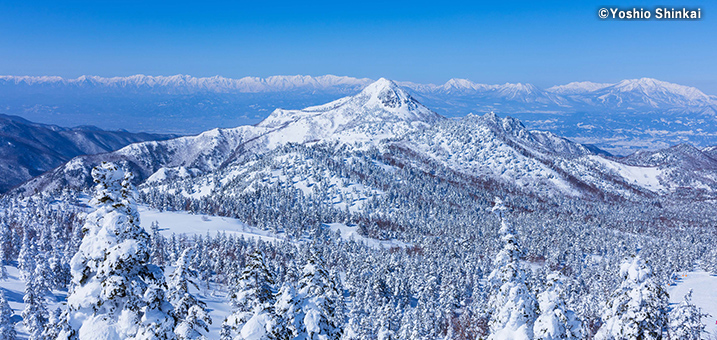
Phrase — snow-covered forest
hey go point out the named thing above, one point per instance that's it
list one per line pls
(367, 218)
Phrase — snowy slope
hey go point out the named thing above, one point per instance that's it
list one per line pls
(311, 172)
(497, 148)
(704, 294)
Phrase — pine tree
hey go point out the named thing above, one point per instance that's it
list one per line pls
(319, 305)
(512, 306)
(54, 325)
(157, 253)
(686, 320)
(111, 271)
(638, 308)
(386, 330)
(288, 309)
(157, 321)
(192, 315)
(35, 313)
(194, 325)
(5, 238)
(253, 301)
(26, 257)
(555, 321)
(7, 327)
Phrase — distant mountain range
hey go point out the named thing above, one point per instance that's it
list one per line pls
(386, 126)
(28, 149)
(621, 118)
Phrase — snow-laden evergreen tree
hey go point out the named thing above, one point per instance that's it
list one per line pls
(158, 320)
(3, 270)
(686, 320)
(638, 308)
(386, 330)
(54, 325)
(288, 309)
(5, 239)
(157, 252)
(253, 301)
(512, 306)
(319, 303)
(57, 262)
(555, 320)
(7, 327)
(34, 316)
(194, 325)
(111, 270)
(26, 257)
(193, 319)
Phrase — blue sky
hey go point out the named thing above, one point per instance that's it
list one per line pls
(540, 42)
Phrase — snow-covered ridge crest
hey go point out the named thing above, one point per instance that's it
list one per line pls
(189, 83)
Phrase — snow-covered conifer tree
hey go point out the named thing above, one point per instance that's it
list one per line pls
(5, 238)
(192, 315)
(26, 257)
(111, 270)
(555, 321)
(512, 306)
(158, 320)
(686, 320)
(253, 301)
(157, 252)
(35, 313)
(319, 305)
(638, 308)
(194, 325)
(7, 327)
(288, 310)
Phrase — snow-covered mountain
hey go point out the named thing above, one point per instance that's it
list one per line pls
(634, 114)
(382, 110)
(28, 149)
(651, 93)
(386, 119)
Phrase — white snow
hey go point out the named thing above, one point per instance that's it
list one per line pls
(646, 177)
(351, 233)
(180, 222)
(14, 289)
(704, 294)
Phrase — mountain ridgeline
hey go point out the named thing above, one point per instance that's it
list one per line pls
(621, 118)
(384, 124)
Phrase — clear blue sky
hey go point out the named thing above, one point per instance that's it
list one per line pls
(540, 42)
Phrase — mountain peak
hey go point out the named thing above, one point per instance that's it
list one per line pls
(387, 94)
(381, 110)
(380, 85)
